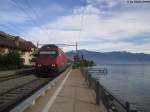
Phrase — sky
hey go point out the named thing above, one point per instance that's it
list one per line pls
(97, 25)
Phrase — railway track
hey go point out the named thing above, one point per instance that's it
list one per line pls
(6, 78)
(17, 75)
(13, 96)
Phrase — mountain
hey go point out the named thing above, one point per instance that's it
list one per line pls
(121, 57)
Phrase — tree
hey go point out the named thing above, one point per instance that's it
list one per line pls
(10, 59)
(13, 58)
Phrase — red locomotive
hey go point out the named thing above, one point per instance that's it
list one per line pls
(50, 58)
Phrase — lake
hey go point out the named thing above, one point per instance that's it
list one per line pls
(129, 82)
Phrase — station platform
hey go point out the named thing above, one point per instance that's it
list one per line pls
(70, 94)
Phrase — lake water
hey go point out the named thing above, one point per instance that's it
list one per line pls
(129, 83)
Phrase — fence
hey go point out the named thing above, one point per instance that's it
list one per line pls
(111, 103)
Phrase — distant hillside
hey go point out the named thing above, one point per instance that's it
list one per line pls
(113, 57)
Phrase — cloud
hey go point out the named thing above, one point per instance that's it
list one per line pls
(95, 27)
(106, 3)
(101, 22)
(27, 13)
(10, 13)
(118, 46)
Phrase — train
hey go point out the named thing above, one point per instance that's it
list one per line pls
(50, 58)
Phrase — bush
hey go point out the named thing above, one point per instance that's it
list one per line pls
(10, 60)
(86, 63)
(2, 60)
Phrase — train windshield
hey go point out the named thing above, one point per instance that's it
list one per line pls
(51, 54)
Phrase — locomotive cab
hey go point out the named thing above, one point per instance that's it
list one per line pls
(47, 60)
(50, 58)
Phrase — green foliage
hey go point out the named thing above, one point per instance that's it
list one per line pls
(10, 59)
(86, 63)
(82, 62)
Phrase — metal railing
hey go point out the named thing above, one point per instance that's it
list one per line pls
(111, 103)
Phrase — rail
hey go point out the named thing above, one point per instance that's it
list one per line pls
(18, 74)
(111, 103)
(28, 102)
(8, 73)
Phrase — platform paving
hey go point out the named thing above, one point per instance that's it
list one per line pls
(74, 96)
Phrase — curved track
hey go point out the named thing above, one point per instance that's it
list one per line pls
(12, 96)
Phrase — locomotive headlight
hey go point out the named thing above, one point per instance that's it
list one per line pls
(39, 65)
(53, 65)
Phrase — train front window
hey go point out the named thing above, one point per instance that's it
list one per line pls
(51, 54)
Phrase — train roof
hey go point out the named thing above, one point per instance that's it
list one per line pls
(50, 46)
